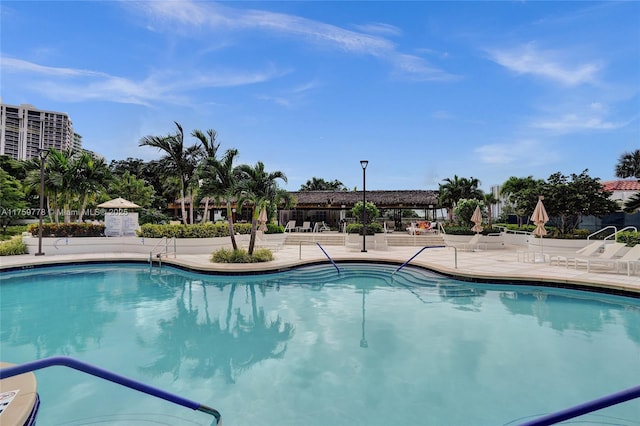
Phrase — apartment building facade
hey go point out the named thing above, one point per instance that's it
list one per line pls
(25, 130)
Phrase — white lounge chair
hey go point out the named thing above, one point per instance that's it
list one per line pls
(611, 251)
(306, 227)
(290, 226)
(630, 258)
(320, 227)
(473, 244)
(588, 250)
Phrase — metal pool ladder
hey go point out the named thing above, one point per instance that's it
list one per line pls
(157, 254)
(107, 375)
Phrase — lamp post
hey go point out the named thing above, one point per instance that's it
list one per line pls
(364, 164)
(43, 156)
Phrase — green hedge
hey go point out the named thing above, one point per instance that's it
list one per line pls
(372, 228)
(630, 238)
(199, 230)
(13, 247)
(68, 230)
(224, 255)
(463, 230)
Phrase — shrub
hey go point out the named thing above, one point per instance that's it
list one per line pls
(68, 230)
(225, 255)
(372, 228)
(630, 238)
(13, 247)
(12, 231)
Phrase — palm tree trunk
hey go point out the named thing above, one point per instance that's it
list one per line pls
(254, 228)
(206, 210)
(184, 209)
(232, 232)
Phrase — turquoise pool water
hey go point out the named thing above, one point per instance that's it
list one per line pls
(314, 347)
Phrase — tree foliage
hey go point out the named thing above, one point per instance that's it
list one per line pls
(568, 198)
(372, 211)
(319, 184)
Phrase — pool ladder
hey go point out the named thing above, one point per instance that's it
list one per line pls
(107, 375)
(157, 254)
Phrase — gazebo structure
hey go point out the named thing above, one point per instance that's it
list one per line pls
(333, 207)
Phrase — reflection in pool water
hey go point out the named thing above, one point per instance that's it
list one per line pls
(311, 347)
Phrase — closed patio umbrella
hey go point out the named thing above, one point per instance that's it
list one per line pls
(262, 218)
(477, 220)
(540, 217)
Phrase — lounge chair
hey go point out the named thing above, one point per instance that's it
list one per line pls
(306, 227)
(588, 250)
(630, 258)
(320, 227)
(473, 244)
(611, 251)
(290, 226)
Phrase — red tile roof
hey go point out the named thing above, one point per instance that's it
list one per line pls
(621, 185)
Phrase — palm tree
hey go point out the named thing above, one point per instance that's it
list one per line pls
(210, 148)
(220, 180)
(489, 200)
(60, 182)
(92, 174)
(629, 165)
(259, 187)
(182, 161)
(319, 184)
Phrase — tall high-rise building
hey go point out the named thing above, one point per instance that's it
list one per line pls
(25, 130)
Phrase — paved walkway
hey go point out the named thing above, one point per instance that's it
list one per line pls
(479, 265)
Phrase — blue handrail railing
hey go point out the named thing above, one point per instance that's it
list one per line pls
(587, 407)
(329, 257)
(414, 256)
(106, 375)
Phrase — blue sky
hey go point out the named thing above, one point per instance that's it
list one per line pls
(423, 90)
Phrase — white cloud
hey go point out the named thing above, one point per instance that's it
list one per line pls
(551, 65)
(193, 16)
(379, 28)
(519, 152)
(591, 117)
(169, 86)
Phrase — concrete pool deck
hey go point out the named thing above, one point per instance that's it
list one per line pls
(505, 265)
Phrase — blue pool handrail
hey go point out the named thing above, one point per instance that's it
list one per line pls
(329, 257)
(587, 407)
(107, 375)
(414, 256)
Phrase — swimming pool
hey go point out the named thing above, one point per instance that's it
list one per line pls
(314, 347)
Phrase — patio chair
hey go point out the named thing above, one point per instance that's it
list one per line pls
(630, 258)
(306, 227)
(611, 251)
(588, 250)
(290, 226)
(473, 244)
(320, 227)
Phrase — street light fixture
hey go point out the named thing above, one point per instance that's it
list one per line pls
(42, 153)
(364, 164)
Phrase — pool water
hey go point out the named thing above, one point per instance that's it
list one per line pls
(313, 346)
